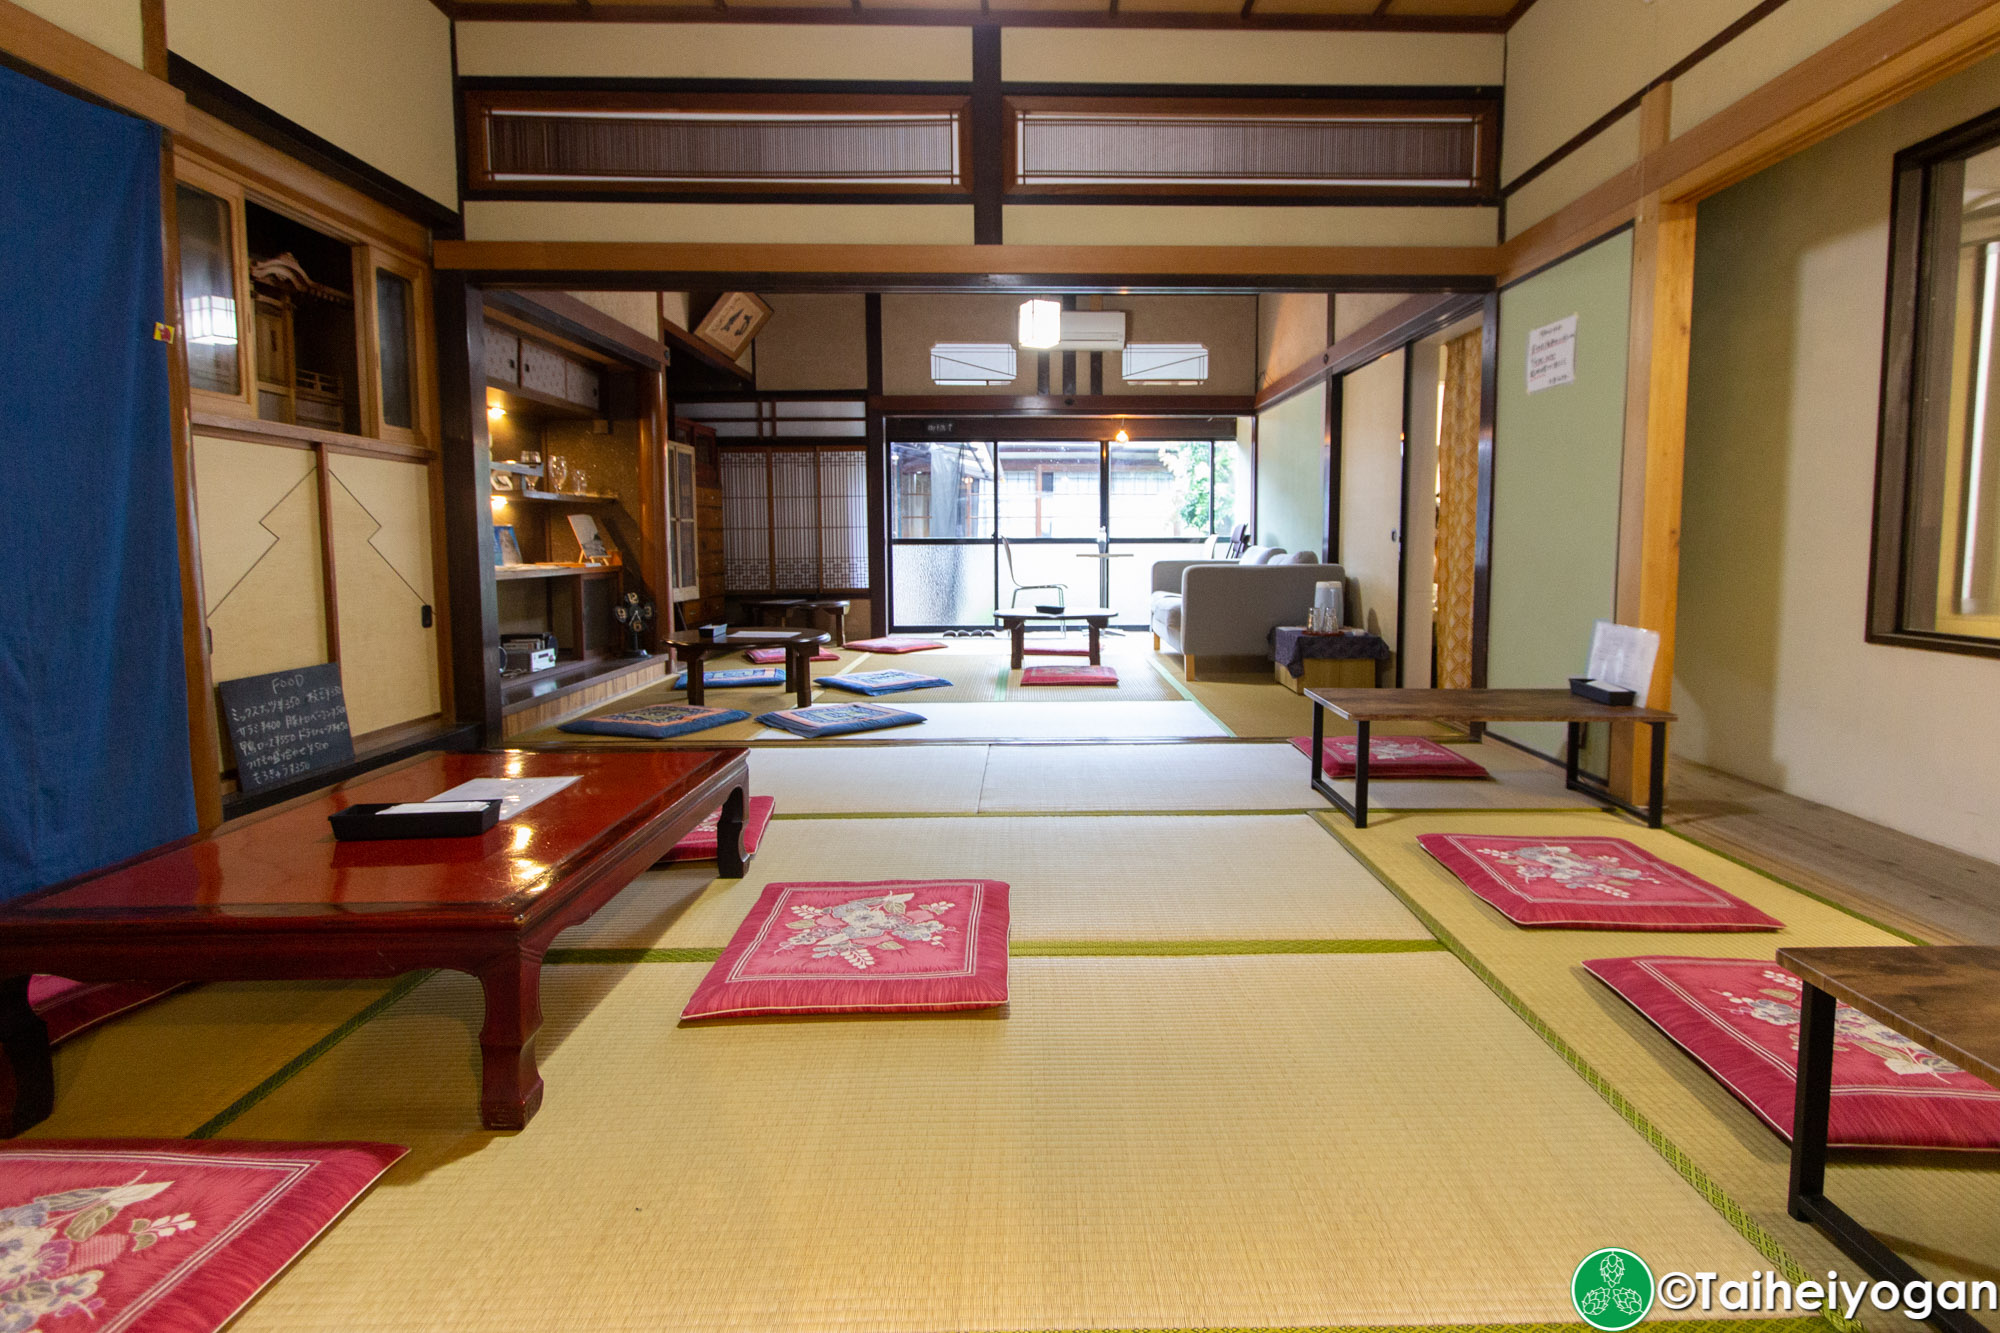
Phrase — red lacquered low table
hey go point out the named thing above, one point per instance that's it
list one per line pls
(275, 897)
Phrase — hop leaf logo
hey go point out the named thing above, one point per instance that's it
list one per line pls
(1612, 1289)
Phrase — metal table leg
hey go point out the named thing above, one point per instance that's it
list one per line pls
(1356, 810)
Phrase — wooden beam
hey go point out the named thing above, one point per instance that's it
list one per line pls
(586, 323)
(464, 451)
(515, 11)
(1412, 319)
(36, 41)
(153, 26)
(1655, 438)
(646, 261)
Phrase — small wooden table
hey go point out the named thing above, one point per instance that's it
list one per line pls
(799, 648)
(274, 897)
(836, 609)
(1946, 998)
(1016, 624)
(1362, 707)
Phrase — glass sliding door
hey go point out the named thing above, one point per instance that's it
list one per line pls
(1052, 502)
(942, 556)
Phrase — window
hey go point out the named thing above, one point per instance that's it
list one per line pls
(208, 290)
(973, 363)
(794, 518)
(395, 344)
(1936, 578)
(1165, 363)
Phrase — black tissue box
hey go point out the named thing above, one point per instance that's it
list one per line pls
(367, 823)
(1585, 688)
(712, 631)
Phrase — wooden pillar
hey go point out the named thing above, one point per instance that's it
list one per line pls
(463, 454)
(204, 740)
(1656, 388)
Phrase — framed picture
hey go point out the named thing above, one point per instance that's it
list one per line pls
(502, 481)
(506, 549)
(589, 538)
(733, 322)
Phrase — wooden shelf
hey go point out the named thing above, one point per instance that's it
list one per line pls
(518, 469)
(520, 400)
(512, 573)
(561, 497)
(540, 687)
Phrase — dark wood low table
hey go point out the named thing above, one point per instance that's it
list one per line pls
(799, 648)
(1362, 707)
(836, 609)
(1016, 624)
(274, 897)
(1946, 998)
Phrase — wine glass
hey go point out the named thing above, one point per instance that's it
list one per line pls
(558, 470)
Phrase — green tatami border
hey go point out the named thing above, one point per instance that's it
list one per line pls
(404, 984)
(1684, 1165)
(1040, 949)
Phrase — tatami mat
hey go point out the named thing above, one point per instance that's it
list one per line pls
(917, 779)
(164, 1071)
(1028, 721)
(1147, 777)
(1242, 1142)
(1168, 877)
(1520, 781)
(1945, 1218)
(1252, 703)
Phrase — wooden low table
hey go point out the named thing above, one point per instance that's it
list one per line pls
(274, 897)
(836, 609)
(1946, 998)
(799, 648)
(1363, 707)
(1016, 623)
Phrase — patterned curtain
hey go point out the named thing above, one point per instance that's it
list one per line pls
(1458, 510)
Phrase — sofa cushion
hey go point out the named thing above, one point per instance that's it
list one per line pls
(1166, 612)
(1261, 555)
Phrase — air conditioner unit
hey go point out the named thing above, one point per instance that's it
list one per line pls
(1092, 331)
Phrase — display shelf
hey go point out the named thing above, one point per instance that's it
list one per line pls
(563, 497)
(518, 469)
(511, 573)
(523, 401)
(569, 673)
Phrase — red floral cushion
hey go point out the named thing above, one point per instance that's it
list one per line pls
(1592, 883)
(1069, 675)
(884, 946)
(170, 1235)
(1739, 1019)
(1393, 757)
(700, 845)
(894, 643)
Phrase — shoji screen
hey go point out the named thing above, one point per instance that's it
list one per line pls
(795, 518)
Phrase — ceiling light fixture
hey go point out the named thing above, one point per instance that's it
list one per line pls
(1122, 437)
(1041, 323)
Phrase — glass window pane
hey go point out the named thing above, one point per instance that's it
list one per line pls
(942, 586)
(208, 290)
(1049, 488)
(1160, 488)
(393, 334)
(1228, 455)
(942, 490)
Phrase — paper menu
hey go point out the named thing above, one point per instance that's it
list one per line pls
(1623, 655)
(514, 794)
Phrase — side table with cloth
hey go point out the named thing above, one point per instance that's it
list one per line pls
(1335, 661)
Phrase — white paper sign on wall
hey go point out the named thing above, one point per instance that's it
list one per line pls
(1552, 355)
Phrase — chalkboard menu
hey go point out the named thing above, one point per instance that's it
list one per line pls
(286, 725)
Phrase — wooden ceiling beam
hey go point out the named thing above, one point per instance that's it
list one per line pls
(1110, 17)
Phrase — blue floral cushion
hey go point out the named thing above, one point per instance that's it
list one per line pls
(735, 678)
(883, 682)
(837, 719)
(656, 722)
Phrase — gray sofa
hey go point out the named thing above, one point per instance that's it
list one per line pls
(1228, 608)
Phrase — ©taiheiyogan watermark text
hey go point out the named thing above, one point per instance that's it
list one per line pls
(1768, 1293)
(1613, 1289)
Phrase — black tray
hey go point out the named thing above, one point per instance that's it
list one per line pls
(367, 823)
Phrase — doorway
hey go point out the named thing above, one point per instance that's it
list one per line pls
(1080, 521)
